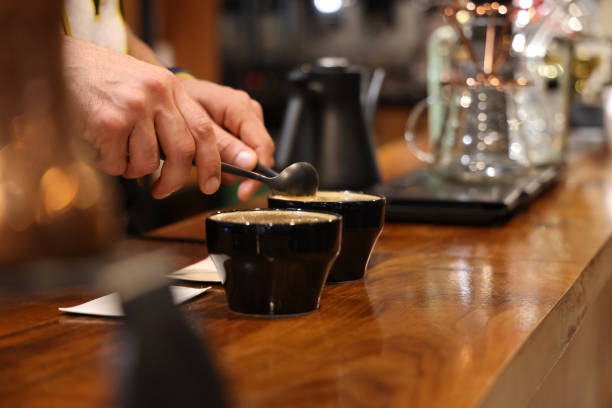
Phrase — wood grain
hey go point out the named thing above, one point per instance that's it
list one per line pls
(447, 316)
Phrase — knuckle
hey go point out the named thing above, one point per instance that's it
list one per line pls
(256, 105)
(268, 145)
(158, 84)
(257, 109)
(202, 128)
(136, 103)
(111, 123)
(243, 97)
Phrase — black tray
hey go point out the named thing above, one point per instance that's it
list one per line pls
(423, 196)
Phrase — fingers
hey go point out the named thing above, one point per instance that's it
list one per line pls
(235, 152)
(238, 113)
(109, 135)
(257, 109)
(247, 188)
(208, 162)
(179, 148)
(113, 156)
(184, 132)
(254, 134)
(143, 150)
(244, 118)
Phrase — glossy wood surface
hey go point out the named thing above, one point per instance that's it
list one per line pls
(446, 317)
(581, 378)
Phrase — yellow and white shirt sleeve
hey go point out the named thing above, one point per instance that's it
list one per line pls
(98, 21)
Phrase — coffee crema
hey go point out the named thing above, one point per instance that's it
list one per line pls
(273, 217)
(329, 197)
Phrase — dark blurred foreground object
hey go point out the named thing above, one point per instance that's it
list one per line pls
(326, 123)
(165, 363)
(59, 220)
(168, 366)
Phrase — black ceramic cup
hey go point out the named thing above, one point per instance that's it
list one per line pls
(363, 218)
(273, 262)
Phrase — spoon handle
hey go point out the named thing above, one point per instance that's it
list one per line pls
(259, 173)
(266, 171)
(237, 171)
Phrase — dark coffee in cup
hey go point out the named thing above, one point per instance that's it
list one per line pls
(362, 222)
(273, 262)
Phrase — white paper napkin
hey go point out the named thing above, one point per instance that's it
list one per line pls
(203, 271)
(110, 305)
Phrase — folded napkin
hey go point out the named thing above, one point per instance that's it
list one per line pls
(110, 305)
(203, 271)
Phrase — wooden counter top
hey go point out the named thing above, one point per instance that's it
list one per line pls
(503, 316)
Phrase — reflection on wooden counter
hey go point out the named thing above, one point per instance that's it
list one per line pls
(447, 317)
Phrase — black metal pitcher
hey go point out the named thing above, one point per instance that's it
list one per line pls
(329, 123)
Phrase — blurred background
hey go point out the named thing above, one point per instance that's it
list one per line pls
(253, 44)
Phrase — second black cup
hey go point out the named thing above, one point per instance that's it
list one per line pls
(362, 222)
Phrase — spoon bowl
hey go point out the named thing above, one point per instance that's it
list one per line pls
(298, 179)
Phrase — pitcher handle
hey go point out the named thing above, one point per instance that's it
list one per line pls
(288, 135)
(413, 118)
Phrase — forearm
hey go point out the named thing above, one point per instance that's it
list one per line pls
(138, 49)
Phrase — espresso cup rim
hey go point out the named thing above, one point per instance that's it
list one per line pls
(379, 197)
(336, 217)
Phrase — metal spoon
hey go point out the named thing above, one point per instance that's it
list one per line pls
(298, 179)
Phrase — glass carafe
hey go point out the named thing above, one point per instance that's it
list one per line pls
(479, 137)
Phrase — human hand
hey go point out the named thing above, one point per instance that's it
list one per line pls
(242, 138)
(128, 108)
